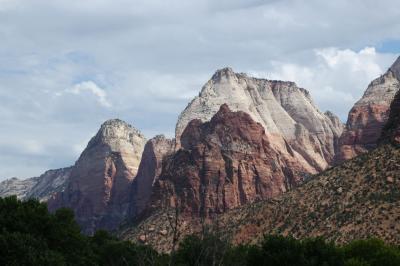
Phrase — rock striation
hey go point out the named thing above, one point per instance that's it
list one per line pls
(100, 183)
(155, 151)
(224, 163)
(368, 116)
(41, 187)
(286, 112)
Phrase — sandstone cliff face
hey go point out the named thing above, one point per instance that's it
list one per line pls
(286, 112)
(225, 163)
(369, 115)
(41, 187)
(155, 151)
(100, 184)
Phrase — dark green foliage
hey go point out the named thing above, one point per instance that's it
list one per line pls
(208, 250)
(30, 235)
(279, 250)
(372, 252)
(111, 251)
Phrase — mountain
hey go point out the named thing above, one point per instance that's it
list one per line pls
(225, 163)
(286, 112)
(99, 187)
(41, 187)
(369, 115)
(357, 199)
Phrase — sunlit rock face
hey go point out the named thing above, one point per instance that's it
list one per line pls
(368, 116)
(100, 183)
(286, 112)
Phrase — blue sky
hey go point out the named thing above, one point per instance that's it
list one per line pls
(67, 66)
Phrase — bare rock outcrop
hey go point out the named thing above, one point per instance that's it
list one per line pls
(225, 163)
(368, 116)
(286, 112)
(100, 184)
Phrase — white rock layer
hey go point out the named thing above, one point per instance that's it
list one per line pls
(286, 111)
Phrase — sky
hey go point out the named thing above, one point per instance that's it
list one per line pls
(67, 66)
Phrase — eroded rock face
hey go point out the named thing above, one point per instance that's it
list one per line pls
(150, 167)
(369, 115)
(100, 183)
(41, 187)
(225, 163)
(286, 112)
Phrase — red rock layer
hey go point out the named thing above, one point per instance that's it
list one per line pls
(224, 163)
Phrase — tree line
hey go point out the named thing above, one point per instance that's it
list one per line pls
(30, 235)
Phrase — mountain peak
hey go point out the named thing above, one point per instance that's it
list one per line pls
(114, 132)
(223, 72)
(112, 125)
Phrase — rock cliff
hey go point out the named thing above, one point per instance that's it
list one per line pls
(224, 163)
(369, 115)
(286, 112)
(100, 183)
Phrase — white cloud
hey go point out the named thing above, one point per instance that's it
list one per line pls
(91, 87)
(364, 61)
(336, 78)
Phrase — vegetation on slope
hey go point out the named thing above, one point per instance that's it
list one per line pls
(356, 200)
(30, 235)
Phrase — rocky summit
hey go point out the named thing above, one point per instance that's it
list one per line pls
(369, 115)
(100, 183)
(286, 112)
